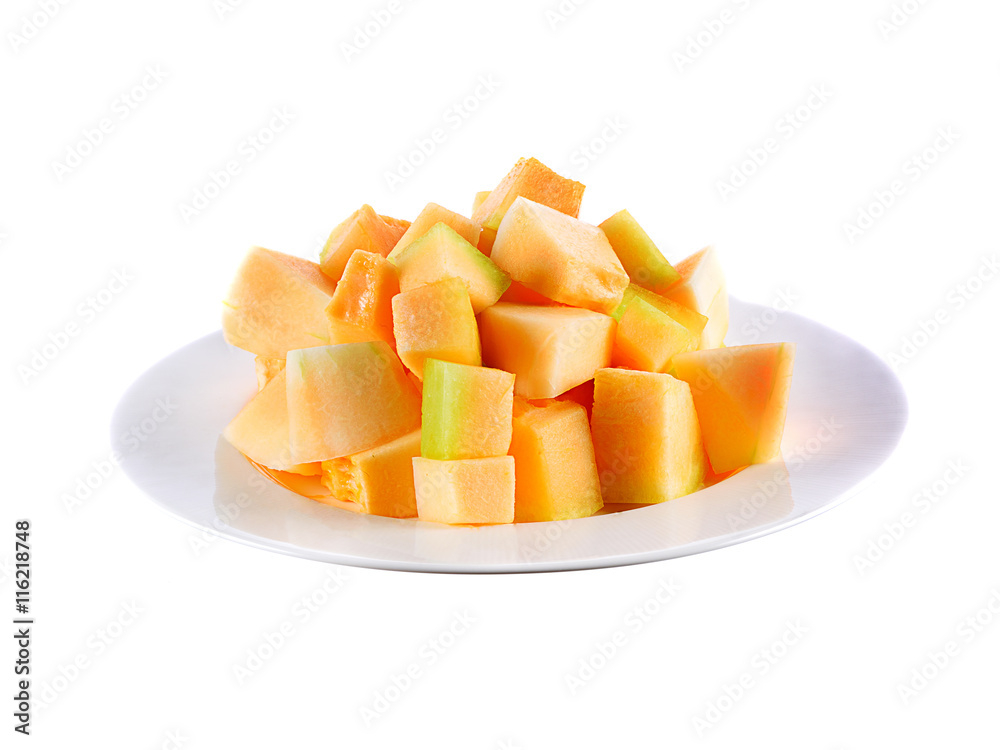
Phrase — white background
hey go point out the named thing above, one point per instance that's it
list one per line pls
(683, 128)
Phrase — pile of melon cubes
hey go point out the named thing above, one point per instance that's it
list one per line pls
(519, 365)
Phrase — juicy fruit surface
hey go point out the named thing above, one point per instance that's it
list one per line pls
(741, 396)
(648, 338)
(431, 215)
(435, 321)
(466, 411)
(702, 288)
(361, 306)
(638, 254)
(276, 303)
(559, 257)
(469, 491)
(693, 321)
(362, 230)
(380, 479)
(532, 180)
(549, 349)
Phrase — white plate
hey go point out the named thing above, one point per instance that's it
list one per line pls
(845, 415)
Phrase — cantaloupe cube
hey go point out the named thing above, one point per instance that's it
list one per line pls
(380, 479)
(266, 368)
(435, 321)
(641, 258)
(466, 411)
(693, 321)
(276, 303)
(468, 491)
(347, 398)
(480, 198)
(549, 349)
(533, 180)
(362, 230)
(559, 257)
(702, 288)
(431, 215)
(441, 254)
(647, 338)
(554, 458)
(260, 430)
(741, 396)
(361, 307)
(647, 439)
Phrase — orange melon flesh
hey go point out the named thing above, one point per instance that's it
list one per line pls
(362, 230)
(647, 439)
(468, 491)
(267, 368)
(431, 215)
(549, 349)
(380, 479)
(347, 398)
(693, 321)
(361, 306)
(582, 394)
(480, 198)
(702, 288)
(435, 321)
(647, 338)
(741, 396)
(486, 241)
(465, 411)
(557, 474)
(260, 430)
(559, 257)
(397, 226)
(442, 253)
(520, 294)
(276, 303)
(532, 180)
(639, 255)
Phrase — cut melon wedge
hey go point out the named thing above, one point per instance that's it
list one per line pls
(347, 398)
(276, 303)
(441, 254)
(362, 230)
(435, 321)
(380, 479)
(647, 338)
(693, 321)
(466, 411)
(549, 349)
(741, 396)
(639, 255)
(361, 306)
(431, 215)
(469, 491)
(532, 180)
(647, 438)
(702, 288)
(559, 257)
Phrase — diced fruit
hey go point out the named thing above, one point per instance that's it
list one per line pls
(442, 254)
(260, 430)
(556, 469)
(549, 349)
(559, 257)
(466, 411)
(267, 368)
(694, 322)
(640, 257)
(534, 181)
(741, 396)
(435, 321)
(361, 307)
(471, 490)
(646, 437)
(480, 198)
(380, 479)
(702, 288)
(347, 398)
(398, 226)
(647, 338)
(431, 215)
(520, 294)
(362, 230)
(276, 303)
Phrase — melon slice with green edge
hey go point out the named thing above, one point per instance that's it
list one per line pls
(362, 230)
(466, 491)
(442, 254)
(361, 306)
(556, 475)
(260, 430)
(559, 257)
(640, 257)
(347, 398)
(276, 303)
(435, 321)
(532, 180)
(431, 215)
(647, 338)
(693, 321)
(647, 439)
(549, 349)
(466, 411)
(741, 396)
(702, 288)
(379, 479)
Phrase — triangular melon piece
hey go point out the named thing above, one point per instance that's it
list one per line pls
(702, 288)
(431, 215)
(362, 230)
(532, 180)
(639, 255)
